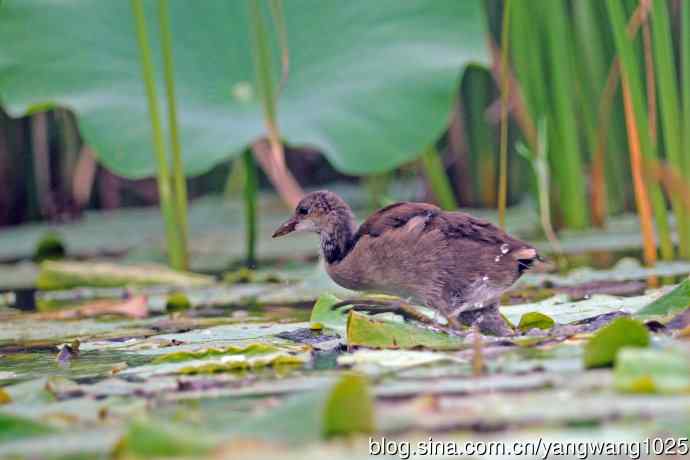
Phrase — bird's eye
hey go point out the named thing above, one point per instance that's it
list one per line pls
(302, 210)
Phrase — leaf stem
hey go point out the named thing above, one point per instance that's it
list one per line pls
(438, 180)
(503, 149)
(251, 184)
(163, 175)
(179, 183)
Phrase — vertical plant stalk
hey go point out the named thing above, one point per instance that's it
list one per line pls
(568, 168)
(505, 93)
(604, 115)
(651, 82)
(480, 169)
(458, 148)
(179, 182)
(251, 185)
(84, 176)
(518, 107)
(540, 164)
(377, 186)
(69, 149)
(284, 182)
(630, 74)
(599, 160)
(605, 192)
(685, 79)
(274, 163)
(671, 117)
(234, 183)
(641, 198)
(438, 180)
(281, 30)
(173, 237)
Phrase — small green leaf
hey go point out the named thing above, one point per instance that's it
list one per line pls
(651, 371)
(323, 315)
(602, 348)
(373, 333)
(176, 302)
(536, 320)
(672, 302)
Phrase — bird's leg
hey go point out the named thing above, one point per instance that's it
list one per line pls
(488, 319)
(375, 306)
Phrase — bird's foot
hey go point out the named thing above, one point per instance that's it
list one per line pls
(488, 319)
(376, 306)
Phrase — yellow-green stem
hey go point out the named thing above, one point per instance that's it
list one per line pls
(179, 183)
(251, 184)
(685, 85)
(503, 152)
(163, 175)
(438, 180)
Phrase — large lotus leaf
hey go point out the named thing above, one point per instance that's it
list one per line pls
(371, 83)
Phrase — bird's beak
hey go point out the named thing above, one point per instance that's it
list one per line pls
(286, 227)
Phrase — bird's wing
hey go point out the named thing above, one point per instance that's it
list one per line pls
(464, 226)
(453, 225)
(395, 216)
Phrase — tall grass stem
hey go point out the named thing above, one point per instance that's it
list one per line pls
(175, 247)
(179, 182)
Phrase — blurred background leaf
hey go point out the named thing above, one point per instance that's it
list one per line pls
(371, 84)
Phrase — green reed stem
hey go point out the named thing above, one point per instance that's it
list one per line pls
(630, 70)
(568, 167)
(476, 98)
(503, 148)
(438, 180)
(179, 182)
(262, 61)
(279, 22)
(174, 242)
(669, 107)
(251, 186)
(685, 85)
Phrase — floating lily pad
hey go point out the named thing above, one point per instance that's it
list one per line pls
(565, 311)
(602, 348)
(65, 275)
(652, 371)
(343, 407)
(374, 333)
(676, 300)
(395, 359)
(253, 349)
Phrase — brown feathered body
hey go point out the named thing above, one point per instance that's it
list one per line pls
(449, 261)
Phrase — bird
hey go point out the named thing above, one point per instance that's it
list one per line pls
(451, 262)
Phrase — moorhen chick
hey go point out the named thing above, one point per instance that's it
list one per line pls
(451, 262)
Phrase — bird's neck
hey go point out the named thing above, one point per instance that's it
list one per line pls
(338, 236)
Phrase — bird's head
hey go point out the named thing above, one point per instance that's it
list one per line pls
(316, 212)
